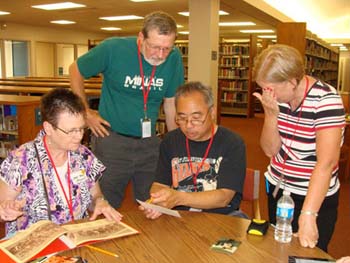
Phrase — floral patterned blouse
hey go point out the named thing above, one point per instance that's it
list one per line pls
(21, 171)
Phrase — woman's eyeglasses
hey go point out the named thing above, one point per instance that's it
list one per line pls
(72, 132)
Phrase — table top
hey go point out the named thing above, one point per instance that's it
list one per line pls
(170, 239)
(19, 100)
(40, 90)
(49, 79)
(47, 84)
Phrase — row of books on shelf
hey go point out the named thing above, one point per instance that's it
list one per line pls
(232, 49)
(8, 129)
(312, 62)
(234, 61)
(234, 85)
(324, 75)
(183, 49)
(230, 97)
(160, 127)
(8, 118)
(233, 73)
(8, 143)
(224, 49)
(315, 49)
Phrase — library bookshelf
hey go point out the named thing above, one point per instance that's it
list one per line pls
(25, 124)
(321, 60)
(235, 77)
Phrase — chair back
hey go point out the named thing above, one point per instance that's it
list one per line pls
(251, 190)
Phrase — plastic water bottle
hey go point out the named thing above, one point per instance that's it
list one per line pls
(284, 217)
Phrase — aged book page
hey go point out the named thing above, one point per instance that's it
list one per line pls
(97, 230)
(25, 245)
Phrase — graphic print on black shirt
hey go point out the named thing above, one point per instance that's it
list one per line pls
(183, 176)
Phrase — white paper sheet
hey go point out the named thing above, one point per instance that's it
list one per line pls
(160, 209)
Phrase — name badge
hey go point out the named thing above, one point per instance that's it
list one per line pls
(146, 128)
(79, 176)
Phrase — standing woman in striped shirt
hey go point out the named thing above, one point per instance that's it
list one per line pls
(302, 134)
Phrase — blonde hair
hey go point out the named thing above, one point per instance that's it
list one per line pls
(278, 63)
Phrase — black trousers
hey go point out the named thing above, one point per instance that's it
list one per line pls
(327, 215)
(126, 159)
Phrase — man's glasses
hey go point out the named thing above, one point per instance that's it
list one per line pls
(72, 132)
(193, 121)
(165, 50)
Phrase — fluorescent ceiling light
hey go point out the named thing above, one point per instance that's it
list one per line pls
(179, 26)
(184, 32)
(268, 36)
(111, 28)
(184, 13)
(235, 40)
(57, 6)
(62, 22)
(221, 13)
(257, 31)
(237, 24)
(2, 13)
(343, 48)
(120, 18)
(337, 45)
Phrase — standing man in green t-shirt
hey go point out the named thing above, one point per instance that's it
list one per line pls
(138, 75)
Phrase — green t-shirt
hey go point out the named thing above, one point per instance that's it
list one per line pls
(121, 101)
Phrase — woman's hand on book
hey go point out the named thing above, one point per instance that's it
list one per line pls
(11, 209)
(102, 207)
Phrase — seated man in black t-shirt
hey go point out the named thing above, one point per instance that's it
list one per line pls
(201, 166)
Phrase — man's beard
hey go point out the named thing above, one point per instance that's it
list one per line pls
(154, 62)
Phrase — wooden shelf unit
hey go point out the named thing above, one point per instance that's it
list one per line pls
(183, 47)
(321, 60)
(235, 77)
(27, 111)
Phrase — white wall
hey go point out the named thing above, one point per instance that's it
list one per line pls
(82, 49)
(45, 34)
(45, 62)
(36, 36)
(8, 58)
(65, 57)
(344, 71)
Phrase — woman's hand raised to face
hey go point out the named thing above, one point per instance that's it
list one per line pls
(268, 101)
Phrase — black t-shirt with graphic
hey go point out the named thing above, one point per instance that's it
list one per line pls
(225, 166)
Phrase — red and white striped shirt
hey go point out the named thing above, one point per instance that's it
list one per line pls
(322, 108)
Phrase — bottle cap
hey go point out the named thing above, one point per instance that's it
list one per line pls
(286, 192)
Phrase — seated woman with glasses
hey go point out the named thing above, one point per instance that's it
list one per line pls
(53, 177)
(201, 166)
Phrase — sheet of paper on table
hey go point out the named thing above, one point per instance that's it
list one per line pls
(160, 209)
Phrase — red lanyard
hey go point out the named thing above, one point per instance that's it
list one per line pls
(204, 157)
(295, 129)
(145, 92)
(69, 201)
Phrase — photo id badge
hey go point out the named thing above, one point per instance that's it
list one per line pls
(146, 128)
